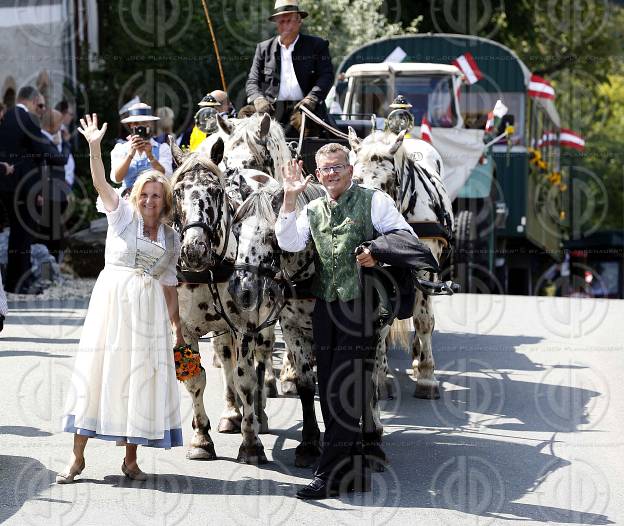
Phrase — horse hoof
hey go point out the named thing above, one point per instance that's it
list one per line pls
(306, 455)
(428, 391)
(229, 425)
(386, 391)
(271, 389)
(289, 388)
(216, 363)
(251, 455)
(202, 453)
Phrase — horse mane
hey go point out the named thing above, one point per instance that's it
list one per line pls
(191, 160)
(261, 202)
(276, 144)
(258, 204)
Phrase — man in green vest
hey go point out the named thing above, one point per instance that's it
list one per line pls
(344, 331)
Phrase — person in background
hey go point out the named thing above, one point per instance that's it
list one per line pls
(205, 120)
(140, 152)
(164, 126)
(69, 114)
(226, 108)
(290, 70)
(4, 307)
(22, 147)
(55, 190)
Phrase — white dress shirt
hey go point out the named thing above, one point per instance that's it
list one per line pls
(293, 231)
(289, 85)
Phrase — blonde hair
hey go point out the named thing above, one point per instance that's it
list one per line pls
(154, 176)
(165, 124)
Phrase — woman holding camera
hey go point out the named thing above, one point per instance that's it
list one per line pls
(140, 152)
(124, 386)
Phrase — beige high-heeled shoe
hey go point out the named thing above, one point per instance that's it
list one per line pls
(68, 478)
(134, 474)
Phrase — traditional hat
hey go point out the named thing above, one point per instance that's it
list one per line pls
(208, 102)
(400, 103)
(139, 112)
(287, 6)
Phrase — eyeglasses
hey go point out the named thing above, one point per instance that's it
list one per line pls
(337, 168)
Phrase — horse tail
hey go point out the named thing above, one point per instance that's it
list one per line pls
(400, 335)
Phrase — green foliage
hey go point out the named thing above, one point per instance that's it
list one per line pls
(349, 24)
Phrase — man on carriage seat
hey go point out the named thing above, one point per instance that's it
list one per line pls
(290, 70)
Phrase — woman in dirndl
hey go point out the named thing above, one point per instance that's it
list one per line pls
(124, 386)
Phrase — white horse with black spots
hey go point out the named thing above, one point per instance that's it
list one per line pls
(414, 181)
(268, 280)
(204, 217)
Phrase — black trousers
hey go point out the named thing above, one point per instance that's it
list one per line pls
(344, 343)
(283, 112)
(20, 239)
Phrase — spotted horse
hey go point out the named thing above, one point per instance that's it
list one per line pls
(203, 216)
(415, 184)
(268, 280)
(253, 144)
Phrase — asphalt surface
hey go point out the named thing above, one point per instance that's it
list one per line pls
(528, 431)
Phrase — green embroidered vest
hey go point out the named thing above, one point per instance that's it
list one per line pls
(337, 228)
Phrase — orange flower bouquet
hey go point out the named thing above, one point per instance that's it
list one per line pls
(187, 362)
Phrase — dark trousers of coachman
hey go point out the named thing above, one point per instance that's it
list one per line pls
(345, 339)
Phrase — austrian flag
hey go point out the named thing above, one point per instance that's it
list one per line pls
(540, 88)
(425, 130)
(469, 68)
(571, 139)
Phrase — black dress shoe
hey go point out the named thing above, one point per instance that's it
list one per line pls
(316, 490)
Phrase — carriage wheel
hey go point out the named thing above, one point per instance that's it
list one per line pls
(463, 253)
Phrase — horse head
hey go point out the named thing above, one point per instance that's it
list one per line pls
(257, 143)
(410, 175)
(257, 263)
(202, 213)
(379, 157)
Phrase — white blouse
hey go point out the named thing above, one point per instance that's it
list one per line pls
(148, 251)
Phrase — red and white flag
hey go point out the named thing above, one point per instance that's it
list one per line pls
(540, 88)
(548, 138)
(469, 68)
(571, 139)
(425, 130)
(489, 124)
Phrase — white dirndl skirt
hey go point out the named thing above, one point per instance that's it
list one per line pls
(124, 385)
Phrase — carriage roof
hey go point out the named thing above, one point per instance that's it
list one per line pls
(503, 70)
(382, 68)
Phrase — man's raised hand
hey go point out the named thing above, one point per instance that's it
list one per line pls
(89, 128)
(294, 182)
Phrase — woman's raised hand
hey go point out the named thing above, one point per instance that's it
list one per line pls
(89, 128)
(294, 182)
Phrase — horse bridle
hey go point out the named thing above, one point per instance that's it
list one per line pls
(220, 259)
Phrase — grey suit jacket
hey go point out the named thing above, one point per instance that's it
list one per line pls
(311, 62)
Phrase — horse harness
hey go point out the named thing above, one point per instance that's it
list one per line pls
(222, 272)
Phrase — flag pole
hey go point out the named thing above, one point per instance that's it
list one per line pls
(215, 45)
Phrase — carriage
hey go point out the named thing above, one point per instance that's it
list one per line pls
(509, 221)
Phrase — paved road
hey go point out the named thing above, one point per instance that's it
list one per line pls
(528, 430)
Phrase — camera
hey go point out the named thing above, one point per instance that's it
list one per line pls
(142, 131)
